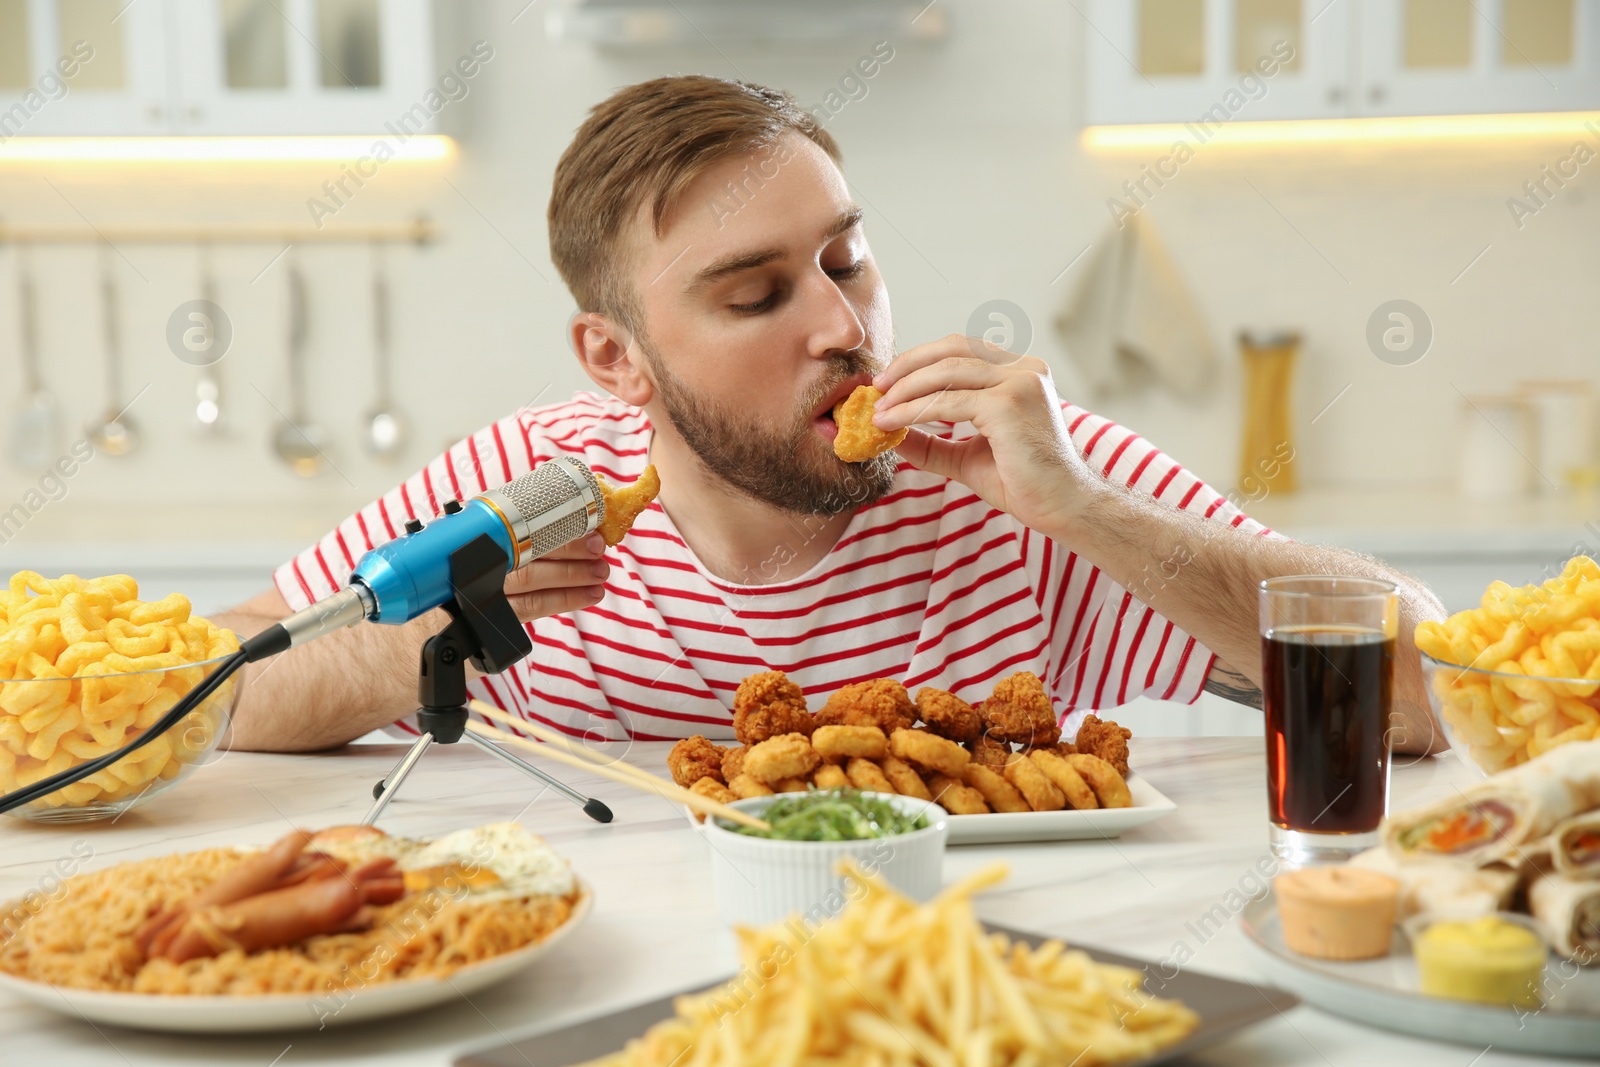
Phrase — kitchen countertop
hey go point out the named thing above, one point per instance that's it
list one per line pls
(1432, 520)
(1397, 518)
(655, 929)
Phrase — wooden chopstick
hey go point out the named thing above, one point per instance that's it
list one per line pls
(544, 733)
(660, 786)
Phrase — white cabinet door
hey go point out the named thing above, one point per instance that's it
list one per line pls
(82, 67)
(305, 67)
(1215, 61)
(1446, 57)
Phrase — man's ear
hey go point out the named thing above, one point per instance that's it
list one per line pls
(610, 357)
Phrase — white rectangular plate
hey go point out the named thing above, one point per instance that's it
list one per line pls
(1094, 825)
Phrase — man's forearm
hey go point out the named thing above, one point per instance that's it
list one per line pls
(1203, 576)
(329, 691)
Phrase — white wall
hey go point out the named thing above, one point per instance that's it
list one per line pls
(966, 156)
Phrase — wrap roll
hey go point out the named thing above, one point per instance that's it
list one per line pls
(1492, 819)
(1576, 844)
(1569, 912)
(1453, 890)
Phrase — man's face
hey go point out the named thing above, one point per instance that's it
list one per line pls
(762, 309)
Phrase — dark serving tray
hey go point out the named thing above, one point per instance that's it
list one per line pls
(1224, 1006)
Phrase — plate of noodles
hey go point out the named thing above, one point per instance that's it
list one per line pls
(216, 940)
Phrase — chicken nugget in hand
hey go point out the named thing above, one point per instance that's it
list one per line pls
(857, 439)
(626, 504)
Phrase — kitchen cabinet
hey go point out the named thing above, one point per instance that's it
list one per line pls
(215, 67)
(71, 67)
(1234, 60)
(1244, 60)
(1429, 57)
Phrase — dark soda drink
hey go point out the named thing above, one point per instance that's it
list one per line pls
(1327, 693)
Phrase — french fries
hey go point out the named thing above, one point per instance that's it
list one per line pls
(1528, 637)
(890, 981)
(88, 666)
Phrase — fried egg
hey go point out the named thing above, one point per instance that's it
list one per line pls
(499, 861)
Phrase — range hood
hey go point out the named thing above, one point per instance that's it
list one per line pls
(647, 23)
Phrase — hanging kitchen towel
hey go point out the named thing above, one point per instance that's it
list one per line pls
(1132, 320)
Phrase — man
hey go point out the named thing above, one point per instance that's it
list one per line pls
(729, 300)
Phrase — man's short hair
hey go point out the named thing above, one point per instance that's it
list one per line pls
(645, 145)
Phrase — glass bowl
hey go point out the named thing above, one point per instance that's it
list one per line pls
(48, 725)
(1499, 719)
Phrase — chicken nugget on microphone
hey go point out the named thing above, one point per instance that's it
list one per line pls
(627, 503)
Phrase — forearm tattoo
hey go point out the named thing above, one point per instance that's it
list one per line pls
(1229, 684)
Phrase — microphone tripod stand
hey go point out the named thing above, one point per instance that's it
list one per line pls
(484, 630)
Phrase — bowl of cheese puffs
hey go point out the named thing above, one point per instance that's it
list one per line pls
(1519, 674)
(1002, 754)
(85, 668)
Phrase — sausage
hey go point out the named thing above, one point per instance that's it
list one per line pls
(252, 875)
(267, 920)
(255, 874)
(310, 867)
(381, 881)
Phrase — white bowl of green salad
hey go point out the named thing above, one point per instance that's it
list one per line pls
(792, 872)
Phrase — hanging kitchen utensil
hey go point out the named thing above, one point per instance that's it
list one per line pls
(298, 441)
(35, 426)
(112, 433)
(208, 389)
(386, 427)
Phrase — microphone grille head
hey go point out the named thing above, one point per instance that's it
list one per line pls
(556, 502)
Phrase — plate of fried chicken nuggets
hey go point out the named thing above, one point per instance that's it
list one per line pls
(1001, 758)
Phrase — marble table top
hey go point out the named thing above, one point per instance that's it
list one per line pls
(655, 929)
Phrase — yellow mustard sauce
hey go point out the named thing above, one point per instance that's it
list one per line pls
(1486, 959)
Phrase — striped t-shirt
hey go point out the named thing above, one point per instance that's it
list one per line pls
(929, 585)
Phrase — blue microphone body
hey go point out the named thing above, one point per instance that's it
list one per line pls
(410, 575)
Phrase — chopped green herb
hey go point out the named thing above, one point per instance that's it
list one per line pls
(833, 815)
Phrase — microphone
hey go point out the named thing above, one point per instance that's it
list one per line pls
(556, 502)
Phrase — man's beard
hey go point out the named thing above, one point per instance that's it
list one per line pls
(791, 467)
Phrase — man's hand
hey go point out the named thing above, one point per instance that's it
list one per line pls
(1022, 459)
(569, 578)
